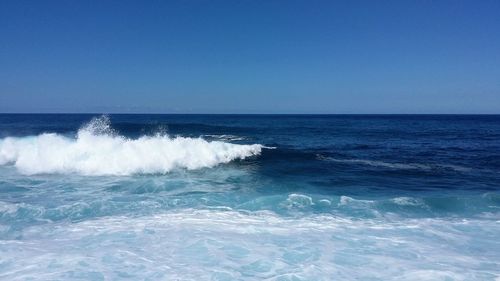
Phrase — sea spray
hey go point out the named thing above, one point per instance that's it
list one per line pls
(99, 150)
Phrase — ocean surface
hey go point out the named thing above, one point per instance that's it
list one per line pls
(249, 197)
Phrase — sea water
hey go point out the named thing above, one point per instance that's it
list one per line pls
(249, 197)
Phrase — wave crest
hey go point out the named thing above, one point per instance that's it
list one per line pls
(395, 166)
(98, 150)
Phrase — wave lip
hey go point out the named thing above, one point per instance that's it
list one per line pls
(98, 150)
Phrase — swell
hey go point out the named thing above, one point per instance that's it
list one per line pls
(16, 215)
(345, 159)
(98, 149)
(397, 166)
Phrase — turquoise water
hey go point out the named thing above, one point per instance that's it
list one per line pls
(249, 197)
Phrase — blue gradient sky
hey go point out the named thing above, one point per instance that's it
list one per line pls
(250, 56)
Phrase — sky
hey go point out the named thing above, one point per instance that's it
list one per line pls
(250, 56)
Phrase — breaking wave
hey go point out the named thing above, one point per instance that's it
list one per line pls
(99, 150)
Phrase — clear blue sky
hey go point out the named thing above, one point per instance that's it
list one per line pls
(249, 56)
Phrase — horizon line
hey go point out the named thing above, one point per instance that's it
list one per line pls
(157, 113)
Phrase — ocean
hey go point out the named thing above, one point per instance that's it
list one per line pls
(249, 197)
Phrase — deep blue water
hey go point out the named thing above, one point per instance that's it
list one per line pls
(249, 197)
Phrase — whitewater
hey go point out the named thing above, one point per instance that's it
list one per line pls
(97, 150)
(238, 197)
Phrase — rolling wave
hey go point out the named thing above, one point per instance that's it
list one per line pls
(396, 166)
(99, 150)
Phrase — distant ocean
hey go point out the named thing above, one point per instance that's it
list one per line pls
(249, 197)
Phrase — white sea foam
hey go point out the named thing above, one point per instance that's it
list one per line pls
(407, 201)
(227, 245)
(346, 200)
(298, 201)
(98, 150)
(225, 137)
